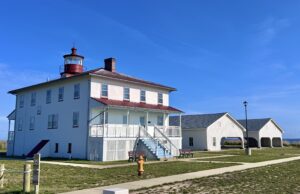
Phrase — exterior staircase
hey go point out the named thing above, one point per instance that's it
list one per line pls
(159, 145)
(156, 148)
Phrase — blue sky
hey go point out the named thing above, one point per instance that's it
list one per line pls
(216, 53)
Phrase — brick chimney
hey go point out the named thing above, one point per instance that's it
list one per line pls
(110, 64)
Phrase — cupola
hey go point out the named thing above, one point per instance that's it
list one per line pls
(73, 64)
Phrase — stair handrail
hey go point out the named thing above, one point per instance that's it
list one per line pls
(156, 140)
(168, 140)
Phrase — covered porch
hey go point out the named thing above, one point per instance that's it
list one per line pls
(11, 133)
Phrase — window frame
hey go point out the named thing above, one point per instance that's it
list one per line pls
(104, 90)
(214, 141)
(69, 151)
(53, 121)
(160, 99)
(48, 96)
(21, 101)
(126, 93)
(75, 116)
(32, 123)
(158, 120)
(56, 148)
(33, 99)
(76, 94)
(143, 96)
(191, 142)
(61, 93)
(20, 124)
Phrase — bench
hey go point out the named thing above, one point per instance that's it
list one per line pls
(185, 153)
(134, 155)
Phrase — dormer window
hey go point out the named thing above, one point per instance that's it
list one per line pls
(126, 94)
(104, 90)
(143, 96)
(160, 98)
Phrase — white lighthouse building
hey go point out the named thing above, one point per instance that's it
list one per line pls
(96, 115)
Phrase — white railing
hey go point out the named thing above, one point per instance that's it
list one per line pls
(119, 130)
(11, 135)
(170, 131)
(165, 141)
(112, 130)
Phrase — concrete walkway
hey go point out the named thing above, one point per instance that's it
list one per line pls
(95, 166)
(182, 177)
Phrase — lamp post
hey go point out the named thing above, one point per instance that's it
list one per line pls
(248, 150)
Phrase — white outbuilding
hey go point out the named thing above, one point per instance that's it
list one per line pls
(263, 132)
(208, 131)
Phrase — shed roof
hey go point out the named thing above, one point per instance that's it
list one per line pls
(118, 103)
(195, 121)
(255, 124)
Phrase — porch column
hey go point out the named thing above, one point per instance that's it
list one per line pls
(271, 142)
(147, 119)
(8, 129)
(180, 115)
(127, 123)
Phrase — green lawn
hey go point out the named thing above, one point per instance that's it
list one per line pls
(279, 178)
(56, 178)
(79, 161)
(258, 155)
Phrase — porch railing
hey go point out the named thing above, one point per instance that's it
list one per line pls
(11, 135)
(115, 130)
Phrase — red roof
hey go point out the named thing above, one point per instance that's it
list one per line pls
(109, 102)
(114, 75)
(102, 73)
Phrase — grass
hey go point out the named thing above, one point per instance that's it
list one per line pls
(79, 161)
(279, 178)
(258, 155)
(56, 178)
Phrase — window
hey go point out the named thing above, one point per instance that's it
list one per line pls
(104, 118)
(69, 148)
(52, 121)
(21, 105)
(39, 110)
(143, 96)
(126, 94)
(214, 141)
(32, 123)
(61, 94)
(33, 99)
(160, 120)
(56, 148)
(142, 121)
(104, 90)
(191, 141)
(125, 119)
(160, 98)
(76, 91)
(48, 97)
(20, 125)
(75, 119)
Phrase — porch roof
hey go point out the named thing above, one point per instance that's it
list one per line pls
(118, 103)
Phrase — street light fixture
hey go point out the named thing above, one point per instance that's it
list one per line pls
(248, 150)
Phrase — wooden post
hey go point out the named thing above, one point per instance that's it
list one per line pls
(2, 175)
(36, 173)
(26, 178)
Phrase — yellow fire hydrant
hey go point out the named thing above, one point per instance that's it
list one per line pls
(140, 165)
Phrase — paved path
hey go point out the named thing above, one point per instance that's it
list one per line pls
(95, 166)
(182, 177)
